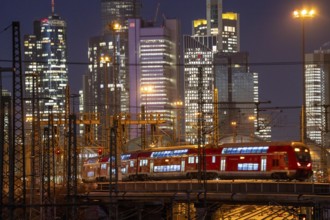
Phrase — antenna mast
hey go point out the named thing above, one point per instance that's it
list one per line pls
(53, 7)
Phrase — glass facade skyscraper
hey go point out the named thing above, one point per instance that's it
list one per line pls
(215, 41)
(106, 85)
(45, 53)
(317, 76)
(154, 76)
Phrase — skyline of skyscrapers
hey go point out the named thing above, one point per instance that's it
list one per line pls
(114, 44)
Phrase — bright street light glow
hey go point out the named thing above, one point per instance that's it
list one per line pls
(304, 13)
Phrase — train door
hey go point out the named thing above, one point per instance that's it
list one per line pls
(183, 163)
(263, 163)
(223, 164)
(151, 166)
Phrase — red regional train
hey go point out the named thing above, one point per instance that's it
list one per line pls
(266, 160)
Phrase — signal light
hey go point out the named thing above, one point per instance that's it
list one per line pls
(57, 151)
(99, 151)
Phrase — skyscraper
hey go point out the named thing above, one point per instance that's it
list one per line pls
(317, 75)
(230, 32)
(198, 59)
(119, 11)
(237, 93)
(216, 41)
(45, 53)
(106, 85)
(154, 75)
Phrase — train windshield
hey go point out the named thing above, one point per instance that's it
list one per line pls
(303, 154)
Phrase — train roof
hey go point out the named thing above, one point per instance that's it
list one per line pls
(209, 146)
(265, 143)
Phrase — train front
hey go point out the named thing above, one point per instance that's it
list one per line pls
(304, 162)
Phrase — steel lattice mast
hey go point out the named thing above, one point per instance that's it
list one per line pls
(17, 184)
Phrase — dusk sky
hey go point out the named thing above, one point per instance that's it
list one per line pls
(268, 32)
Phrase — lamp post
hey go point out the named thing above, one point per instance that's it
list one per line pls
(145, 90)
(178, 105)
(234, 126)
(303, 14)
(252, 118)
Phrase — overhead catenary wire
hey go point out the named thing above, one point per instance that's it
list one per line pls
(266, 63)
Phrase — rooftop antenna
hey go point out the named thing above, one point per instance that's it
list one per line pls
(53, 7)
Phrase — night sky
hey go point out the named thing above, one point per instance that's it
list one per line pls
(268, 32)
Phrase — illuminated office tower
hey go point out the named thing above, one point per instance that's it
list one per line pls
(45, 53)
(317, 76)
(101, 86)
(119, 11)
(106, 85)
(198, 56)
(230, 32)
(154, 74)
(214, 20)
(199, 27)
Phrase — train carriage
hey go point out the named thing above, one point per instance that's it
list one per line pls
(90, 169)
(268, 160)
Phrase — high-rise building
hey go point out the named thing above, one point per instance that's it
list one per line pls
(216, 41)
(119, 11)
(154, 74)
(106, 85)
(199, 27)
(237, 93)
(45, 53)
(198, 58)
(317, 76)
(230, 32)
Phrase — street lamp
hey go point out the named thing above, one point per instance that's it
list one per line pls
(252, 118)
(178, 105)
(145, 90)
(234, 126)
(303, 14)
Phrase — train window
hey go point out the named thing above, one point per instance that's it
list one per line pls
(245, 150)
(103, 166)
(143, 163)
(197, 159)
(131, 163)
(90, 174)
(123, 170)
(169, 153)
(125, 156)
(248, 166)
(167, 168)
(191, 159)
(213, 159)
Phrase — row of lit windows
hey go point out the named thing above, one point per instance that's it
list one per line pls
(167, 168)
(248, 166)
(245, 150)
(169, 153)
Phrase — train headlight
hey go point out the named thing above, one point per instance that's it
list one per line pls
(309, 165)
(299, 164)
